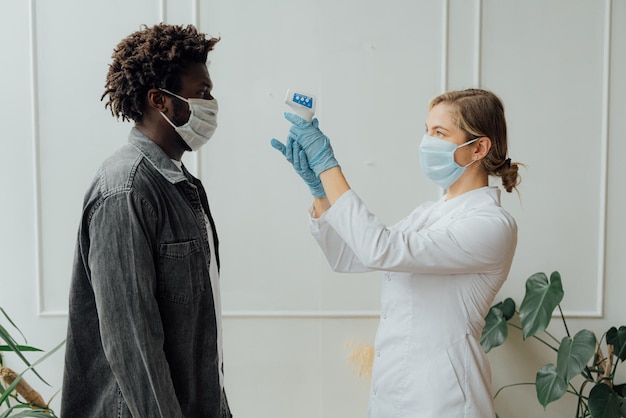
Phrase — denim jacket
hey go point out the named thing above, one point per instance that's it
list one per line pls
(142, 332)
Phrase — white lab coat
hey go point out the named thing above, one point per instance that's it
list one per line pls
(442, 267)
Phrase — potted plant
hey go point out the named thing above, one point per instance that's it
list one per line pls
(598, 396)
(17, 397)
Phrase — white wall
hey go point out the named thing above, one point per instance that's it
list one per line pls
(373, 65)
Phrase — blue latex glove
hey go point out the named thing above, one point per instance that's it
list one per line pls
(294, 153)
(315, 144)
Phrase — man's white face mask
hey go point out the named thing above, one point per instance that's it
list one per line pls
(201, 124)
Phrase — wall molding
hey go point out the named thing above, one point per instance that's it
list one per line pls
(598, 312)
(299, 314)
(269, 314)
(162, 10)
(478, 41)
(36, 141)
(604, 155)
(195, 19)
(445, 47)
(34, 91)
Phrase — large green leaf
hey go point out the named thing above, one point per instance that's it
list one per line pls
(617, 338)
(604, 403)
(495, 330)
(575, 353)
(550, 386)
(507, 306)
(540, 300)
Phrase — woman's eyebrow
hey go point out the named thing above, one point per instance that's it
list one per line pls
(439, 127)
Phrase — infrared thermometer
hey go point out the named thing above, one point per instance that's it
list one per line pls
(303, 104)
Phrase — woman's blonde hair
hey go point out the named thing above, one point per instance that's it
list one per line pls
(480, 113)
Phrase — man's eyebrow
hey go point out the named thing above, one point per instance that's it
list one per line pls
(203, 83)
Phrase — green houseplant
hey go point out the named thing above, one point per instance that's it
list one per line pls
(598, 396)
(17, 398)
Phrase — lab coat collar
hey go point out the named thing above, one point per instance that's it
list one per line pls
(484, 196)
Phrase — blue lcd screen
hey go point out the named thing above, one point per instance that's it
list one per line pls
(302, 100)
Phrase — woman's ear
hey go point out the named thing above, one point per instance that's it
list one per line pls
(482, 148)
(156, 100)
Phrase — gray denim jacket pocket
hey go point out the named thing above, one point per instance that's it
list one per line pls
(179, 278)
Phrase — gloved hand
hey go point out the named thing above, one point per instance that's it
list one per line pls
(315, 144)
(294, 153)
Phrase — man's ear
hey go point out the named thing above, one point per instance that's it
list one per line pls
(156, 100)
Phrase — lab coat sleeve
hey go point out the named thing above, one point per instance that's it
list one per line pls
(340, 256)
(479, 241)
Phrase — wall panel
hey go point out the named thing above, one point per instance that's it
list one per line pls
(17, 264)
(465, 41)
(553, 86)
(72, 130)
(340, 51)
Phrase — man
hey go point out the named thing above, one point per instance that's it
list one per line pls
(144, 332)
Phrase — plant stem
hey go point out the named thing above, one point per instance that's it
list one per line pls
(617, 360)
(581, 406)
(563, 318)
(574, 391)
(511, 385)
(553, 337)
(537, 338)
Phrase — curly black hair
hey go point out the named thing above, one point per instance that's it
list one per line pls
(150, 58)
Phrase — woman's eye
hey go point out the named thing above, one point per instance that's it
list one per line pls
(439, 133)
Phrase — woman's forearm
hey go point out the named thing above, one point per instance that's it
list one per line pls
(335, 185)
(320, 205)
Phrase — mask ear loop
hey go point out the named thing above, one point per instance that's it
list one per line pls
(470, 163)
(467, 143)
(175, 95)
(168, 120)
(178, 97)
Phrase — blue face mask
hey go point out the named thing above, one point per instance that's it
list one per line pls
(437, 159)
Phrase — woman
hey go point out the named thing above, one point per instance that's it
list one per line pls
(442, 265)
